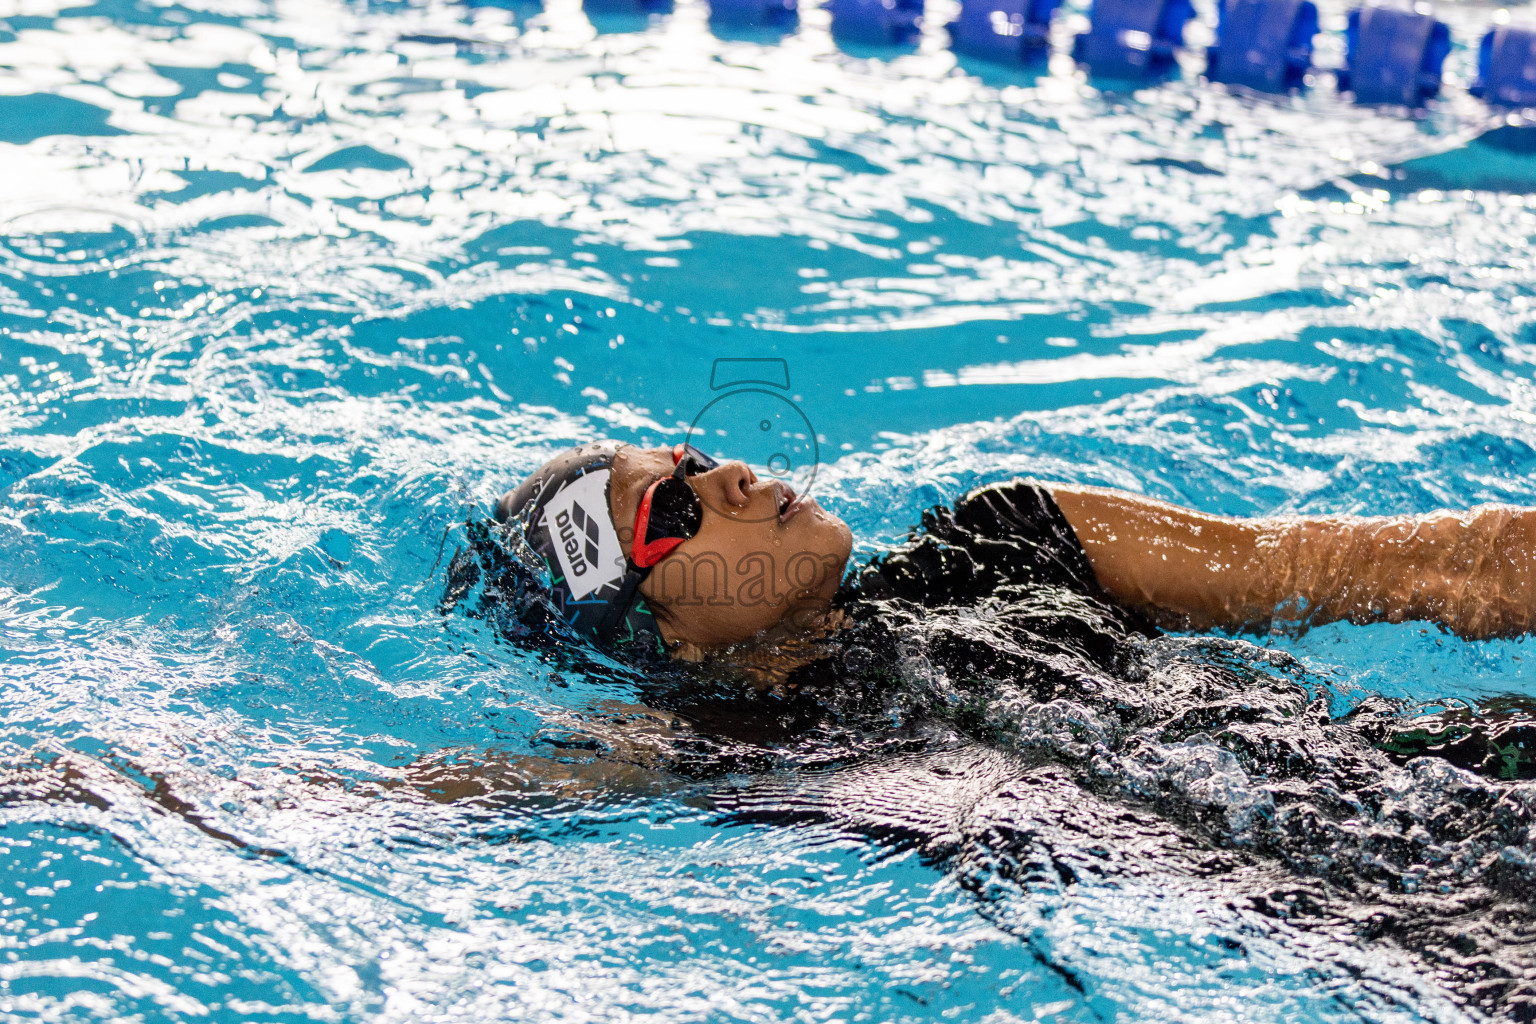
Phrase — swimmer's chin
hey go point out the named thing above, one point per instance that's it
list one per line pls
(819, 518)
(769, 658)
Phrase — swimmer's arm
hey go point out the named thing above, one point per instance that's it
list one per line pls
(638, 745)
(503, 778)
(1470, 571)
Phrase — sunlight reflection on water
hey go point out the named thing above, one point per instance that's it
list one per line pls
(288, 289)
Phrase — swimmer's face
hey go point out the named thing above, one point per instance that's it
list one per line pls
(759, 559)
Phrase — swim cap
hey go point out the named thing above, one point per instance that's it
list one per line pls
(563, 512)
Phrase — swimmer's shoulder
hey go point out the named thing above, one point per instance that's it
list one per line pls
(1031, 539)
(1008, 533)
(1007, 505)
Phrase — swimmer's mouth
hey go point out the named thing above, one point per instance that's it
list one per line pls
(790, 503)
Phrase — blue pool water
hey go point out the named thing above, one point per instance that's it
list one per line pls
(288, 290)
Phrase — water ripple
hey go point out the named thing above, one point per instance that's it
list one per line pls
(289, 290)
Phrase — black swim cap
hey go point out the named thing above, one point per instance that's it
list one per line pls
(562, 511)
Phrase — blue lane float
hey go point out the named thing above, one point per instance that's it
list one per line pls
(1393, 56)
(876, 22)
(1263, 44)
(625, 8)
(1506, 68)
(1132, 38)
(773, 14)
(1004, 31)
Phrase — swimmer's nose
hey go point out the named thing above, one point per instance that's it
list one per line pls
(727, 484)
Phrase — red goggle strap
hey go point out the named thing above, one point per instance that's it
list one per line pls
(645, 554)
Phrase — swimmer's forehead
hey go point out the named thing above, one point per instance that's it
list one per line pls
(634, 469)
(633, 461)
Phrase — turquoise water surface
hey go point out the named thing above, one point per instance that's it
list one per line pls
(290, 289)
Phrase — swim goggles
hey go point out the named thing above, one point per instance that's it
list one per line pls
(670, 512)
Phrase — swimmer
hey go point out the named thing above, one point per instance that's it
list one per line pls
(997, 689)
(666, 547)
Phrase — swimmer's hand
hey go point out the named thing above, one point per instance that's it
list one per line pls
(1471, 571)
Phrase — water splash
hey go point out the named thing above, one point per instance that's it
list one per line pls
(289, 290)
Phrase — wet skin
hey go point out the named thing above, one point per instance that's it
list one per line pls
(1473, 572)
(761, 564)
(760, 561)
